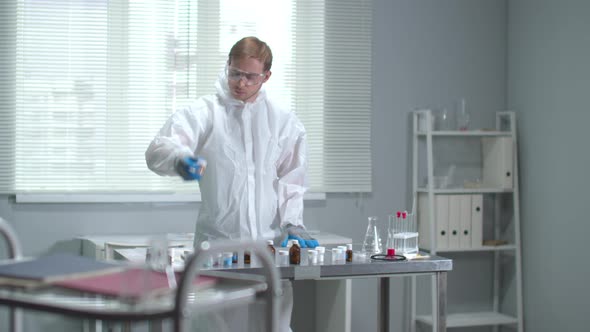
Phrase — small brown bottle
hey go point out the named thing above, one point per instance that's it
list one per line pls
(295, 253)
(246, 257)
(271, 248)
(349, 252)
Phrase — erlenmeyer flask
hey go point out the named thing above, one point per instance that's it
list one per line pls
(372, 243)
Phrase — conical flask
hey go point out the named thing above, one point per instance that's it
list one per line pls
(372, 243)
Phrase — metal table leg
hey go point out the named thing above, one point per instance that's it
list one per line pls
(439, 312)
(383, 319)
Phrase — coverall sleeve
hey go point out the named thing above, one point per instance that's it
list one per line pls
(179, 137)
(292, 177)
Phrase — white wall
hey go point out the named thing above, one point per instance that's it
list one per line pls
(426, 53)
(549, 87)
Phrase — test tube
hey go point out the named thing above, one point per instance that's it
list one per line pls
(405, 222)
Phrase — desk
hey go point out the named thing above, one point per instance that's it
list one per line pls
(434, 265)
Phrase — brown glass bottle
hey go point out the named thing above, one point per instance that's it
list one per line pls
(349, 252)
(271, 248)
(246, 257)
(295, 253)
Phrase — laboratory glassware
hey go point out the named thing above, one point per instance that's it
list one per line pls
(391, 229)
(444, 120)
(349, 252)
(462, 115)
(405, 234)
(271, 247)
(372, 242)
(295, 253)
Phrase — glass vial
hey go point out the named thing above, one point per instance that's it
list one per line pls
(462, 115)
(247, 257)
(295, 253)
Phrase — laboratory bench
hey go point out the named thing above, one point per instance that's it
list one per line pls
(333, 300)
(334, 295)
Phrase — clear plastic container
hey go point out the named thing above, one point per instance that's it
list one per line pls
(321, 250)
(283, 257)
(312, 257)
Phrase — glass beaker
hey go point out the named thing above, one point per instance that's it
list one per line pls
(372, 242)
(462, 115)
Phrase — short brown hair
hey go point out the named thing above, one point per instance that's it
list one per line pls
(252, 47)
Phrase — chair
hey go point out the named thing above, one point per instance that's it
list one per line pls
(14, 252)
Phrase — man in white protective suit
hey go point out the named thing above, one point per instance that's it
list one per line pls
(248, 153)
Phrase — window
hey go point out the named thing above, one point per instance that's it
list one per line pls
(90, 82)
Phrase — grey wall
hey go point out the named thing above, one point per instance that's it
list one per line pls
(548, 86)
(427, 53)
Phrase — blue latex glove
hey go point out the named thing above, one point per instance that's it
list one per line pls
(190, 168)
(300, 234)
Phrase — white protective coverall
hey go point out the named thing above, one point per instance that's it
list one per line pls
(256, 172)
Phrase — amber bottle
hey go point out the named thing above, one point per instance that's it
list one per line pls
(295, 253)
(349, 252)
(271, 248)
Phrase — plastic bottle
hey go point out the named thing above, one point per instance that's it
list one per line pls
(283, 257)
(228, 259)
(321, 250)
(295, 253)
(312, 257)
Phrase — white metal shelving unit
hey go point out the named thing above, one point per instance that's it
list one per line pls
(423, 136)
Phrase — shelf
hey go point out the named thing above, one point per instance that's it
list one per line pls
(482, 248)
(473, 319)
(466, 191)
(478, 133)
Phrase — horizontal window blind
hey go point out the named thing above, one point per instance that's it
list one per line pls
(89, 83)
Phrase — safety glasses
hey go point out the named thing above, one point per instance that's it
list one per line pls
(234, 74)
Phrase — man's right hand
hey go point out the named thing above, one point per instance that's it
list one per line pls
(190, 168)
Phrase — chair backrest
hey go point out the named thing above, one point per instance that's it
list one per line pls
(14, 248)
(15, 321)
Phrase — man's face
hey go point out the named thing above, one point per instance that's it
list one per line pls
(245, 78)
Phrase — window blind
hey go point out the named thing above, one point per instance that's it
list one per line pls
(87, 84)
